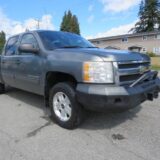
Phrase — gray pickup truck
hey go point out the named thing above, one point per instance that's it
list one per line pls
(73, 75)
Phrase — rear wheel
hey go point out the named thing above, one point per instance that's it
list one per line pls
(65, 109)
(2, 88)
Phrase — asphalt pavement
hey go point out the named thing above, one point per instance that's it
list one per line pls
(27, 133)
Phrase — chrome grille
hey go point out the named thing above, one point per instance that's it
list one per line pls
(129, 72)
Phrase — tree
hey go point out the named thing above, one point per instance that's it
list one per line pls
(2, 40)
(70, 23)
(63, 24)
(75, 25)
(149, 17)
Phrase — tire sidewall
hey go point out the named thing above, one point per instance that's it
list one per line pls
(76, 108)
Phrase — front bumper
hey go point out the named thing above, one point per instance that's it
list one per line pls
(99, 97)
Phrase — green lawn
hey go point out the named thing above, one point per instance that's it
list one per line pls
(157, 68)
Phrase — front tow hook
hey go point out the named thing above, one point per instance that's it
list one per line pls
(151, 96)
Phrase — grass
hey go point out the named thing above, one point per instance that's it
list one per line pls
(157, 68)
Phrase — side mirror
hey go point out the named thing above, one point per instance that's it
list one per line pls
(28, 48)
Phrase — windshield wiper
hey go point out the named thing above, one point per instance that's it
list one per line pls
(77, 47)
(72, 47)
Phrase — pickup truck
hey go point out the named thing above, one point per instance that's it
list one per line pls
(73, 75)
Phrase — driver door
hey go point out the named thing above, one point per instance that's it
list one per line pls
(29, 68)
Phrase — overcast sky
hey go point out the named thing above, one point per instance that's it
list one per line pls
(97, 18)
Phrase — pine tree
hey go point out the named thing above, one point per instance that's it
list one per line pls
(75, 25)
(149, 17)
(70, 23)
(2, 40)
(62, 28)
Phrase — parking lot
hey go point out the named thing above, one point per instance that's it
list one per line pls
(26, 133)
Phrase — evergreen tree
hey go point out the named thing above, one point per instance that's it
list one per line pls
(70, 23)
(75, 25)
(149, 16)
(2, 40)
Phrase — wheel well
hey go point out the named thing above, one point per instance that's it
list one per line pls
(53, 78)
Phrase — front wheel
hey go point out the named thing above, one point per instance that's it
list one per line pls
(2, 88)
(65, 109)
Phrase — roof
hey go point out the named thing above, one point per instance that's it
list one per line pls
(40, 30)
(125, 35)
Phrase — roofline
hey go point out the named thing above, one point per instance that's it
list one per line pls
(125, 35)
(36, 31)
(19, 34)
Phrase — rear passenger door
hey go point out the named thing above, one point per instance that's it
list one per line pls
(29, 68)
(9, 61)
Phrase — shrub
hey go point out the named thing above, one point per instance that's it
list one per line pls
(151, 54)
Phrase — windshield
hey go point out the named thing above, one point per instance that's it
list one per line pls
(53, 40)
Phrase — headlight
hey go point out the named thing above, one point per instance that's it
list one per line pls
(98, 72)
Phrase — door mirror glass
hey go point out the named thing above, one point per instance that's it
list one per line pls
(28, 48)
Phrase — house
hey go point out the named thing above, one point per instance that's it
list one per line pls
(138, 42)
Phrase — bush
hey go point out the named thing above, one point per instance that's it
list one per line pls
(151, 54)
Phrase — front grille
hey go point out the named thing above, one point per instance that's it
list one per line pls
(130, 71)
(132, 65)
(129, 77)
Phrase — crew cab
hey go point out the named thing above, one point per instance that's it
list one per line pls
(73, 75)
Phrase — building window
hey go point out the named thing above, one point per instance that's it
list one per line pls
(157, 36)
(156, 50)
(144, 38)
(144, 50)
(97, 42)
(125, 39)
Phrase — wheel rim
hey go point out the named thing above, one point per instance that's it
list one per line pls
(62, 106)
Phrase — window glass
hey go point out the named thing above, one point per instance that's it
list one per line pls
(125, 39)
(97, 42)
(29, 38)
(157, 36)
(52, 40)
(156, 50)
(144, 50)
(144, 37)
(11, 46)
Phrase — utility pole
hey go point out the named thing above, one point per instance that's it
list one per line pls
(38, 23)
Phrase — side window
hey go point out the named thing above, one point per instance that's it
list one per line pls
(11, 46)
(29, 38)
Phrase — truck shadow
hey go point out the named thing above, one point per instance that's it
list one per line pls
(26, 97)
(93, 121)
(109, 119)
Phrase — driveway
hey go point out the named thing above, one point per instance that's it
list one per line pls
(26, 133)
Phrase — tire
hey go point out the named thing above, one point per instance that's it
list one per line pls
(2, 88)
(65, 109)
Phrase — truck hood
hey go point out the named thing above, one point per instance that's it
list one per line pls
(110, 55)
